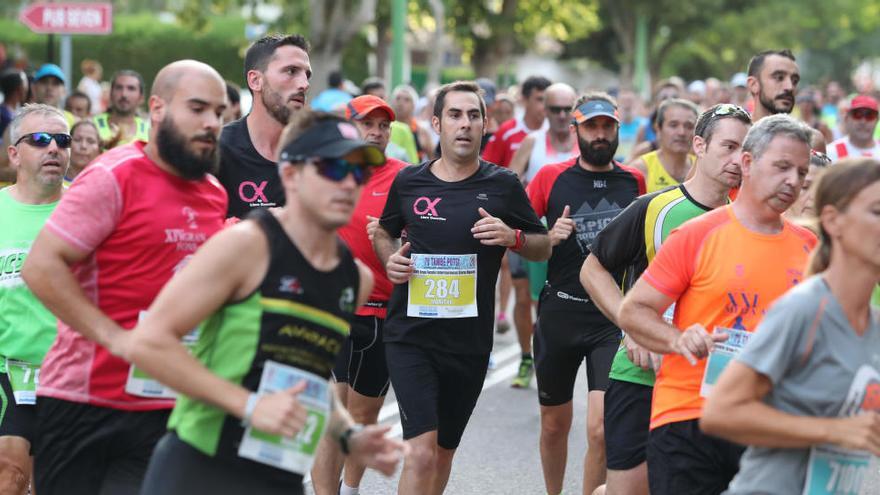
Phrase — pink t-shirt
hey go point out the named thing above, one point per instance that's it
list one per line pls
(139, 224)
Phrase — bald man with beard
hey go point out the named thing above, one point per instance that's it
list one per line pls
(130, 221)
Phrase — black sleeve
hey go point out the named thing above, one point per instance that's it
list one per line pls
(622, 241)
(392, 216)
(520, 214)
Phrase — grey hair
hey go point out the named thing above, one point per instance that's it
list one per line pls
(763, 132)
(31, 109)
(409, 90)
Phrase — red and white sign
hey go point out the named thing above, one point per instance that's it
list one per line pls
(68, 18)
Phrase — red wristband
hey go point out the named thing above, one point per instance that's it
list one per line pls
(520, 240)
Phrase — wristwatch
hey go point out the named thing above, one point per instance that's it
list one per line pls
(346, 436)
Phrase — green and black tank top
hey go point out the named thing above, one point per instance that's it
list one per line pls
(297, 316)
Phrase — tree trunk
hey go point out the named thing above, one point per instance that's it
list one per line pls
(383, 42)
(333, 24)
(490, 53)
(435, 60)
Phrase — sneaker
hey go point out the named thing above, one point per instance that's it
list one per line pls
(524, 376)
(501, 323)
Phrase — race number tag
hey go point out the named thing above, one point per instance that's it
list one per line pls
(443, 286)
(141, 384)
(833, 470)
(722, 354)
(24, 378)
(291, 454)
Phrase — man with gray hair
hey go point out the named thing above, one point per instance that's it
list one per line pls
(39, 151)
(722, 271)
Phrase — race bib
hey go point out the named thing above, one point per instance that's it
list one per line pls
(24, 378)
(443, 286)
(291, 454)
(722, 354)
(833, 470)
(141, 384)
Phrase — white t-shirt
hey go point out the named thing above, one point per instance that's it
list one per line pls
(843, 148)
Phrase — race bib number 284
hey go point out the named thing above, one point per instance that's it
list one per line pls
(443, 286)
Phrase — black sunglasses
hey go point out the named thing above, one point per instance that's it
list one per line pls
(337, 169)
(43, 139)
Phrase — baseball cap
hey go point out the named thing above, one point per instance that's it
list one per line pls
(488, 88)
(863, 101)
(594, 108)
(330, 139)
(48, 70)
(359, 107)
(739, 80)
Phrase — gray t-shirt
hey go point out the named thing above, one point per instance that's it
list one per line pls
(811, 354)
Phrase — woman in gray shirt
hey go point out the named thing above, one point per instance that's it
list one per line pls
(804, 393)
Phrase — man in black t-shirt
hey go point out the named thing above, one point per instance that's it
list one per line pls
(578, 197)
(277, 71)
(438, 332)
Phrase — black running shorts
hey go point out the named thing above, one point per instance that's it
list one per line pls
(361, 362)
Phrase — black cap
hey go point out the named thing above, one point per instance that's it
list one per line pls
(330, 139)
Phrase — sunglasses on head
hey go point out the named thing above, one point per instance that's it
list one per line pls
(42, 139)
(727, 109)
(558, 110)
(818, 158)
(337, 169)
(863, 114)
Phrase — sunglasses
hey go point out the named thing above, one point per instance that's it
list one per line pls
(337, 169)
(728, 109)
(42, 139)
(863, 114)
(557, 110)
(821, 159)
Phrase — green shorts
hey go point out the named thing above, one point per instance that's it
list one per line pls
(537, 273)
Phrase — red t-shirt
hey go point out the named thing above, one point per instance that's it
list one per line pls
(372, 202)
(139, 224)
(506, 140)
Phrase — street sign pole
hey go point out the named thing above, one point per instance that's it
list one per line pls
(67, 60)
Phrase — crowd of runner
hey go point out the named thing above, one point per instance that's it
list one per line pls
(196, 301)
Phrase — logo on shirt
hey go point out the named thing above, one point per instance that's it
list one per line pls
(184, 240)
(483, 197)
(250, 192)
(600, 184)
(190, 215)
(742, 303)
(376, 193)
(290, 285)
(590, 221)
(426, 208)
(346, 300)
(10, 267)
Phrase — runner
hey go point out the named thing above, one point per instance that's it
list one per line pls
(85, 146)
(39, 151)
(121, 124)
(803, 392)
(722, 270)
(438, 332)
(578, 196)
(127, 223)
(555, 144)
(360, 372)
(859, 122)
(629, 243)
(804, 209)
(277, 71)
(670, 163)
(256, 397)
(500, 150)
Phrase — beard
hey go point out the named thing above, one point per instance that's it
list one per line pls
(772, 105)
(172, 147)
(274, 104)
(596, 155)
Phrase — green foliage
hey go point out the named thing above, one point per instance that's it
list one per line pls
(142, 43)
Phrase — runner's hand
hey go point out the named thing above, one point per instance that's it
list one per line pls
(640, 356)
(695, 343)
(492, 231)
(280, 413)
(860, 432)
(372, 448)
(562, 228)
(399, 267)
(372, 225)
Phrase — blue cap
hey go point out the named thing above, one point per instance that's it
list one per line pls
(48, 70)
(592, 109)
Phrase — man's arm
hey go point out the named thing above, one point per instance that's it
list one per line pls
(47, 273)
(492, 231)
(392, 255)
(640, 316)
(520, 161)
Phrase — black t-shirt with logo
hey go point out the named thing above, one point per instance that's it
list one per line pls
(437, 218)
(250, 180)
(594, 199)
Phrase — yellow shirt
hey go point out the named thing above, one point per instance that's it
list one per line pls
(657, 177)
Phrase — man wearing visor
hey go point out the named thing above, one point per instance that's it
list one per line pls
(578, 197)
(256, 396)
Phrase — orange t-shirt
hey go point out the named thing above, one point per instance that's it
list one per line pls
(721, 274)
